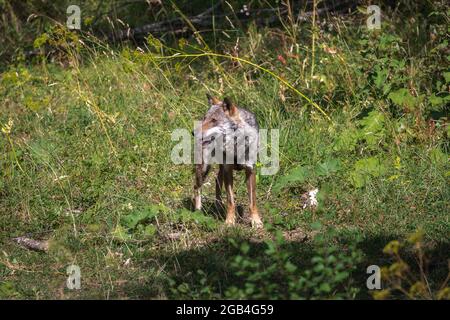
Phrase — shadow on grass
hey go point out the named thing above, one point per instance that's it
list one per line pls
(211, 208)
(214, 261)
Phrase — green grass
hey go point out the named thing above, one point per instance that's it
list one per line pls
(91, 145)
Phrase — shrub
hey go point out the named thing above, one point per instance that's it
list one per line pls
(279, 274)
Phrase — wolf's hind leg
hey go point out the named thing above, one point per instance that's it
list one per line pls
(255, 218)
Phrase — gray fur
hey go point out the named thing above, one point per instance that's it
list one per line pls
(232, 132)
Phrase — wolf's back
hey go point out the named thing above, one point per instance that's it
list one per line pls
(251, 132)
(249, 118)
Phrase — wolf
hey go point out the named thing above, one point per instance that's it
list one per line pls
(229, 136)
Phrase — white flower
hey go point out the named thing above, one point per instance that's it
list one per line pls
(310, 199)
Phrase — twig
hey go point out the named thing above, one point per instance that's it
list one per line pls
(32, 244)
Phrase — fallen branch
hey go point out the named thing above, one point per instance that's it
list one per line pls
(32, 244)
(262, 17)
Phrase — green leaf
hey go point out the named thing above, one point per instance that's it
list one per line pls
(186, 216)
(366, 169)
(325, 287)
(319, 268)
(372, 128)
(403, 98)
(435, 100)
(346, 141)
(341, 276)
(438, 157)
(381, 76)
(328, 167)
(120, 233)
(245, 248)
(8, 290)
(150, 230)
(296, 175)
(316, 225)
(140, 216)
(317, 259)
(290, 267)
(447, 77)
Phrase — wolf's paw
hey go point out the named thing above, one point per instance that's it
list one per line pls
(197, 202)
(257, 223)
(230, 222)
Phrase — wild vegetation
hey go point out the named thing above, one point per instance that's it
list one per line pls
(85, 149)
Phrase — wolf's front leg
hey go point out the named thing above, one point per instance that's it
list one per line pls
(228, 177)
(201, 171)
(219, 186)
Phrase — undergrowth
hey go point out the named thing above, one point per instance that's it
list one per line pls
(85, 161)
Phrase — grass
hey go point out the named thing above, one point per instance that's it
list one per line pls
(90, 146)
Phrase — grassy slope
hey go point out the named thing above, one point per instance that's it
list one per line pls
(97, 147)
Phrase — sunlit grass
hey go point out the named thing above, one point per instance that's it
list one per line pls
(88, 143)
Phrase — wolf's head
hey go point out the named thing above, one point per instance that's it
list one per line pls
(233, 130)
(222, 118)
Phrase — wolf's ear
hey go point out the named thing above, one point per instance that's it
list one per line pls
(229, 105)
(212, 100)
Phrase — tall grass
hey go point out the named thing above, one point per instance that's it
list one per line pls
(85, 159)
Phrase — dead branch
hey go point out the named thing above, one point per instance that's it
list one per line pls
(262, 17)
(32, 244)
